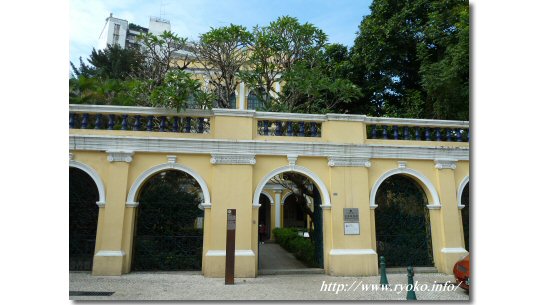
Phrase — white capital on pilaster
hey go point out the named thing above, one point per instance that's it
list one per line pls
(445, 164)
(120, 156)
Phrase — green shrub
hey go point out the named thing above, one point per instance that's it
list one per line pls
(302, 248)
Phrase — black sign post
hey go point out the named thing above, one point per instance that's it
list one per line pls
(230, 248)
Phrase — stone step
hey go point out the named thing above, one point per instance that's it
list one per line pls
(415, 269)
(291, 271)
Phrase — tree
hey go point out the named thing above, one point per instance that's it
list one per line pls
(222, 52)
(179, 91)
(161, 54)
(273, 53)
(404, 57)
(297, 56)
(115, 62)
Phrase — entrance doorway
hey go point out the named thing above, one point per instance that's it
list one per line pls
(402, 223)
(83, 215)
(297, 245)
(169, 224)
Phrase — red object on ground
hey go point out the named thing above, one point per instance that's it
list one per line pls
(462, 272)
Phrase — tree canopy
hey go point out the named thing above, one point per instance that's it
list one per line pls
(410, 58)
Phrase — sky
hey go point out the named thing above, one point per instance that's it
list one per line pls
(339, 19)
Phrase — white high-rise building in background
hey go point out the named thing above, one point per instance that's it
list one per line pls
(121, 32)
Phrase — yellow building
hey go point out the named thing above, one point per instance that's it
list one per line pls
(233, 154)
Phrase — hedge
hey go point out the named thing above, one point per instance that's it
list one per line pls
(302, 248)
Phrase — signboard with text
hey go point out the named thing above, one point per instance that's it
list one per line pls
(351, 221)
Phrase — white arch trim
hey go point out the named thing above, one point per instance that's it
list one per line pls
(436, 204)
(308, 200)
(268, 196)
(326, 199)
(463, 183)
(162, 167)
(96, 178)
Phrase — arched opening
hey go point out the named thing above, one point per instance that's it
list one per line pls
(169, 223)
(83, 216)
(264, 219)
(403, 231)
(465, 211)
(294, 235)
(295, 215)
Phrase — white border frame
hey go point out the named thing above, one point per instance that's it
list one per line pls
(96, 178)
(436, 204)
(325, 197)
(133, 192)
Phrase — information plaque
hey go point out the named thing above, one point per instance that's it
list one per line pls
(351, 221)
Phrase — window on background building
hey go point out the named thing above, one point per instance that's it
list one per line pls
(116, 36)
(253, 102)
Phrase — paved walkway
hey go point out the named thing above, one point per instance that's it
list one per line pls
(274, 257)
(192, 286)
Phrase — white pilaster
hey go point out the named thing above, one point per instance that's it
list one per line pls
(278, 193)
(242, 96)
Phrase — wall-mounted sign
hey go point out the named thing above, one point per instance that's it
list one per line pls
(351, 221)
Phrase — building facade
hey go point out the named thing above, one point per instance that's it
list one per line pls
(234, 154)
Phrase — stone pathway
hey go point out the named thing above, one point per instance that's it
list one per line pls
(274, 257)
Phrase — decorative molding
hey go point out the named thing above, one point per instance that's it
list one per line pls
(402, 164)
(233, 112)
(345, 117)
(348, 161)
(95, 177)
(445, 164)
(108, 253)
(292, 160)
(223, 253)
(372, 207)
(256, 206)
(206, 205)
(426, 184)
(283, 116)
(171, 159)
(453, 250)
(273, 186)
(433, 207)
(325, 197)
(131, 204)
(120, 156)
(256, 147)
(461, 206)
(416, 122)
(131, 110)
(133, 192)
(352, 252)
(325, 207)
(249, 159)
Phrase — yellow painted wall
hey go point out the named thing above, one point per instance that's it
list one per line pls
(233, 186)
